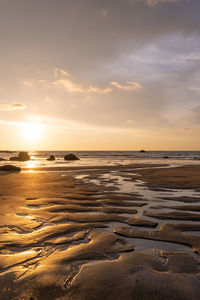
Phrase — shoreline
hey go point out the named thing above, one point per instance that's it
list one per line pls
(97, 167)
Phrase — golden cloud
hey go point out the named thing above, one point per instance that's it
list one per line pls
(59, 72)
(12, 106)
(131, 85)
(73, 87)
(97, 90)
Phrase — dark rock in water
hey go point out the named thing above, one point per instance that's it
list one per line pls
(14, 158)
(52, 157)
(142, 151)
(2, 159)
(70, 156)
(10, 168)
(22, 156)
(165, 156)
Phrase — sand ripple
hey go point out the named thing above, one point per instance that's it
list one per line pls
(68, 237)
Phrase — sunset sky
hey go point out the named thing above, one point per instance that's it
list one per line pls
(100, 74)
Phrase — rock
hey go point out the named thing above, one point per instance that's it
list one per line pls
(22, 156)
(165, 156)
(52, 157)
(10, 168)
(142, 151)
(14, 158)
(70, 156)
(2, 159)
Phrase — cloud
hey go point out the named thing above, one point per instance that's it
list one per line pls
(131, 122)
(33, 82)
(155, 2)
(12, 106)
(195, 89)
(185, 129)
(132, 85)
(59, 72)
(97, 90)
(103, 13)
(193, 60)
(28, 83)
(71, 86)
(49, 100)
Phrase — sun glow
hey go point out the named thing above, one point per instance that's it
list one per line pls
(31, 165)
(31, 132)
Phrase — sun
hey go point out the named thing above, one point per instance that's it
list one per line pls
(31, 132)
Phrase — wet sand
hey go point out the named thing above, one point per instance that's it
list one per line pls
(121, 232)
(179, 177)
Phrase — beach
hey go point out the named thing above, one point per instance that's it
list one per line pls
(101, 232)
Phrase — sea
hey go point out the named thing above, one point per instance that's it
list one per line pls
(105, 158)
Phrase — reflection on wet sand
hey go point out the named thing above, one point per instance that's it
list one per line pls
(99, 234)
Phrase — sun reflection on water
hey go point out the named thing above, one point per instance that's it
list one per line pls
(31, 165)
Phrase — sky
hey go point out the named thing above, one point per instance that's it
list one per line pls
(99, 74)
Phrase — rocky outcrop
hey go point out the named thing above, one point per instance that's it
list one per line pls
(10, 168)
(51, 157)
(142, 151)
(70, 156)
(2, 159)
(14, 158)
(22, 156)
